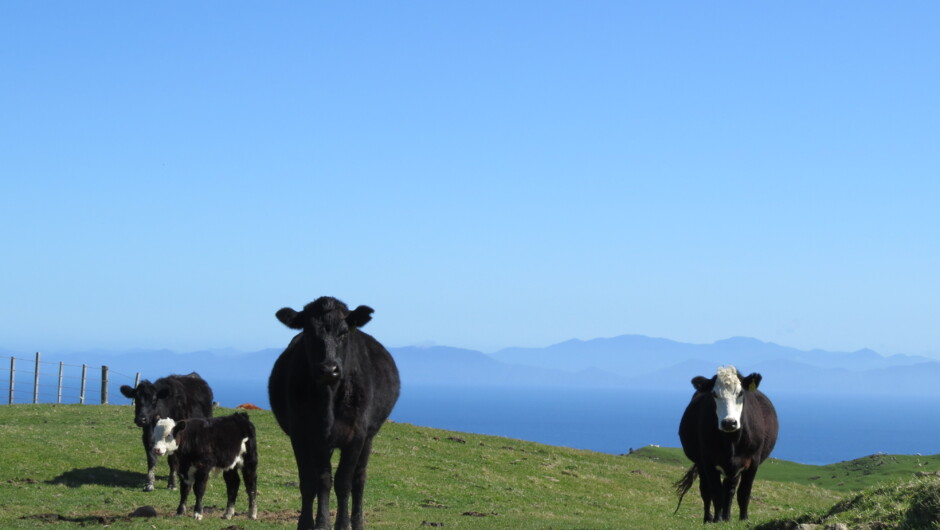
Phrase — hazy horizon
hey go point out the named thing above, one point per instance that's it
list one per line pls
(431, 344)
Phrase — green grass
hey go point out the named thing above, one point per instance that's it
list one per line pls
(73, 466)
(903, 504)
(853, 475)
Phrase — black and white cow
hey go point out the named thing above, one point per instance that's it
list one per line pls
(332, 388)
(727, 430)
(203, 445)
(174, 396)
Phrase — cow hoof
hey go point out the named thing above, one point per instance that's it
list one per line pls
(148, 487)
(197, 516)
(228, 514)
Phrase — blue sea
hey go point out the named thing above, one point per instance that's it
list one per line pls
(814, 429)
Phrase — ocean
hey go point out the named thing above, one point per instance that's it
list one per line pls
(814, 429)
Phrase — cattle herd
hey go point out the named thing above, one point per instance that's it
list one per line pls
(333, 388)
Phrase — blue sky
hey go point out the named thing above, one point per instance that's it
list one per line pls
(483, 174)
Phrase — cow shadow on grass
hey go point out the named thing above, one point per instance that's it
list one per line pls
(101, 476)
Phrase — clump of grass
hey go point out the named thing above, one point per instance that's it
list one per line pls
(912, 504)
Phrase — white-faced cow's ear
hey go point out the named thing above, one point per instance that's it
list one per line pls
(290, 318)
(360, 316)
(128, 391)
(180, 425)
(703, 384)
(163, 393)
(751, 382)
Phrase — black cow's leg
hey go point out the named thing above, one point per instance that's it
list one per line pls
(359, 486)
(174, 463)
(712, 479)
(315, 474)
(199, 488)
(348, 463)
(744, 490)
(232, 481)
(727, 496)
(147, 438)
(185, 485)
(324, 481)
(306, 476)
(706, 492)
(250, 474)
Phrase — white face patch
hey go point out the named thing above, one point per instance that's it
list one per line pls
(163, 441)
(729, 399)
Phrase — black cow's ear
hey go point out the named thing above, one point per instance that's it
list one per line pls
(163, 393)
(128, 391)
(752, 381)
(703, 384)
(360, 316)
(289, 318)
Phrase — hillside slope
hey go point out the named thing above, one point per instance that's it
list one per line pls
(850, 476)
(78, 465)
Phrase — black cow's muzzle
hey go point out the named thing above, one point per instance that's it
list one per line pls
(729, 425)
(141, 422)
(330, 373)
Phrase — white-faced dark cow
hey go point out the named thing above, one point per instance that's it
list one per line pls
(727, 430)
(333, 387)
(208, 444)
(174, 396)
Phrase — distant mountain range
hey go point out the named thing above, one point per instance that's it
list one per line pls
(631, 361)
(636, 361)
(642, 362)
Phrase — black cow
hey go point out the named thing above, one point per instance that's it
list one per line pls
(203, 445)
(174, 396)
(728, 429)
(333, 387)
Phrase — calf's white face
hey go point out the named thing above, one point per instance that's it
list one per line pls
(163, 441)
(729, 399)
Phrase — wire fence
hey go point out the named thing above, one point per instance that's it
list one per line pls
(38, 381)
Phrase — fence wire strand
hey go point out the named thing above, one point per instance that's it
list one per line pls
(52, 387)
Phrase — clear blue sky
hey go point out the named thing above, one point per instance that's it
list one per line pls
(483, 174)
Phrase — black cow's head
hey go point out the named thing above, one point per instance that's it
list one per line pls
(326, 323)
(146, 401)
(727, 387)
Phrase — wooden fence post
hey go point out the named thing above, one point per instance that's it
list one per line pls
(104, 385)
(12, 371)
(59, 399)
(36, 381)
(81, 397)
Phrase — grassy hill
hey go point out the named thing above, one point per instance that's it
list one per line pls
(853, 475)
(73, 465)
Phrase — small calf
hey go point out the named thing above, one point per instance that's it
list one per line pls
(173, 396)
(202, 445)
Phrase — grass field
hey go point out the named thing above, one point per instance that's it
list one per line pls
(79, 466)
(853, 475)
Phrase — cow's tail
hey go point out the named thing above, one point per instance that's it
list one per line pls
(684, 484)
